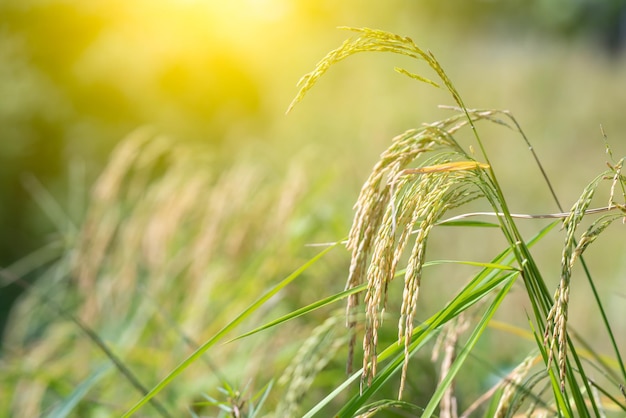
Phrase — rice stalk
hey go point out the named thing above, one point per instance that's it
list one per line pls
(368, 40)
(511, 385)
(396, 199)
(411, 199)
(312, 357)
(555, 335)
(447, 343)
(423, 174)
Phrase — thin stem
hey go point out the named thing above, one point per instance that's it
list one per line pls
(561, 215)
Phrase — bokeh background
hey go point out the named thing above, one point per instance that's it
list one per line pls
(215, 78)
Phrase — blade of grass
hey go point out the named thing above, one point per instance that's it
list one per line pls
(579, 397)
(220, 334)
(100, 343)
(493, 266)
(467, 348)
(466, 298)
(386, 404)
(303, 311)
(486, 276)
(332, 395)
(605, 319)
(27, 264)
(66, 407)
(562, 405)
(480, 224)
(462, 301)
(262, 397)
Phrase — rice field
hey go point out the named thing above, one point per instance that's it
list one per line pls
(243, 278)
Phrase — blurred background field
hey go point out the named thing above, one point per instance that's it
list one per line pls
(152, 185)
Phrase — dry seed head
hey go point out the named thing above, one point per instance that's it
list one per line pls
(388, 207)
(368, 40)
(392, 203)
(413, 275)
(311, 358)
(374, 198)
(512, 382)
(556, 324)
(447, 343)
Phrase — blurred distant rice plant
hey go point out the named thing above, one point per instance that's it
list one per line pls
(174, 243)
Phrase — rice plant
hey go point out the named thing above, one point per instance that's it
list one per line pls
(161, 301)
(422, 175)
